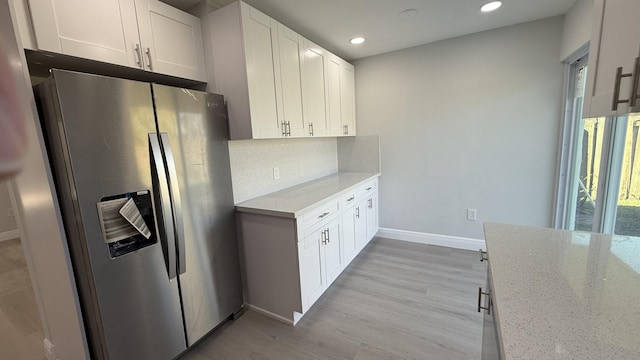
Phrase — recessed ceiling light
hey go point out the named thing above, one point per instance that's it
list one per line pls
(357, 40)
(491, 6)
(408, 12)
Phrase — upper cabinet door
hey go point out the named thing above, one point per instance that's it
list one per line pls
(171, 40)
(103, 30)
(314, 96)
(615, 42)
(290, 47)
(334, 120)
(347, 99)
(260, 34)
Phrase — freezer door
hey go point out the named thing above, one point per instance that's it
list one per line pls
(194, 136)
(98, 130)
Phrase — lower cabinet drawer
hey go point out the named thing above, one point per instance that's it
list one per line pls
(323, 212)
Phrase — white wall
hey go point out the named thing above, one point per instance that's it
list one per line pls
(577, 28)
(470, 122)
(7, 223)
(299, 160)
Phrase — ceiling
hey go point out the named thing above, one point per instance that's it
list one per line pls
(331, 23)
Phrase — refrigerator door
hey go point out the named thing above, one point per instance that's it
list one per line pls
(99, 130)
(194, 136)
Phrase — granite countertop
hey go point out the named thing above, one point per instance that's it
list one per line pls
(565, 295)
(293, 201)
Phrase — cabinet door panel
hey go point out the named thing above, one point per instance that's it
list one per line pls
(260, 39)
(332, 252)
(171, 40)
(372, 217)
(333, 95)
(347, 98)
(313, 89)
(312, 281)
(349, 244)
(361, 225)
(103, 30)
(290, 46)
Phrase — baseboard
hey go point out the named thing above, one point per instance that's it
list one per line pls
(8, 235)
(269, 314)
(432, 239)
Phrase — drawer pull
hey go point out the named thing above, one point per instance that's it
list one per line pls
(369, 188)
(323, 215)
(480, 307)
(350, 199)
(616, 89)
(482, 255)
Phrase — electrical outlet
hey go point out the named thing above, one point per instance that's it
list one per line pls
(471, 214)
(10, 212)
(276, 173)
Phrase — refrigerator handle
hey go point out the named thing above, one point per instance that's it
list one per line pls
(176, 201)
(165, 204)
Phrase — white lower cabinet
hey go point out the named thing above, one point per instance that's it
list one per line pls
(289, 260)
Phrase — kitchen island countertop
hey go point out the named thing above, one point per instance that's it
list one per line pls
(565, 295)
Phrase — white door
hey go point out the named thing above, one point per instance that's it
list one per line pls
(260, 35)
(171, 40)
(372, 216)
(347, 99)
(361, 225)
(290, 47)
(314, 94)
(334, 121)
(102, 30)
(349, 245)
(332, 251)
(312, 274)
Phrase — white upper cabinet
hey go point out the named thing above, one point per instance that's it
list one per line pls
(103, 30)
(171, 40)
(145, 34)
(614, 65)
(347, 98)
(314, 94)
(291, 47)
(277, 84)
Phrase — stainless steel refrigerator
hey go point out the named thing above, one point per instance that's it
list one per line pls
(144, 184)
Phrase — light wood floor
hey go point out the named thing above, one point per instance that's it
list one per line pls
(20, 327)
(397, 300)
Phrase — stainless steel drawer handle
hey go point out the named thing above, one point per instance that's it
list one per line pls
(351, 199)
(636, 84)
(483, 255)
(616, 89)
(480, 307)
(324, 237)
(369, 188)
(323, 215)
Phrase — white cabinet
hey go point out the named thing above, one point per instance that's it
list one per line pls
(314, 92)
(146, 34)
(289, 259)
(278, 84)
(347, 99)
(614, 65)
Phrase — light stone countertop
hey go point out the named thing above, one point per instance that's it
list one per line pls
(565, 295)
(293, 201)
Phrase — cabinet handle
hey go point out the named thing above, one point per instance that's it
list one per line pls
(311, 129)
(323, 215)
(350, 199)
(139, 56)
(288, 128)
(370, 203)
(358, 212)
(616, 89)
(369, 188)
(324, 238)
(482, 255)
(636, 84)
(480, 307)
(328, 236)
(284, 128)
(148, 52)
